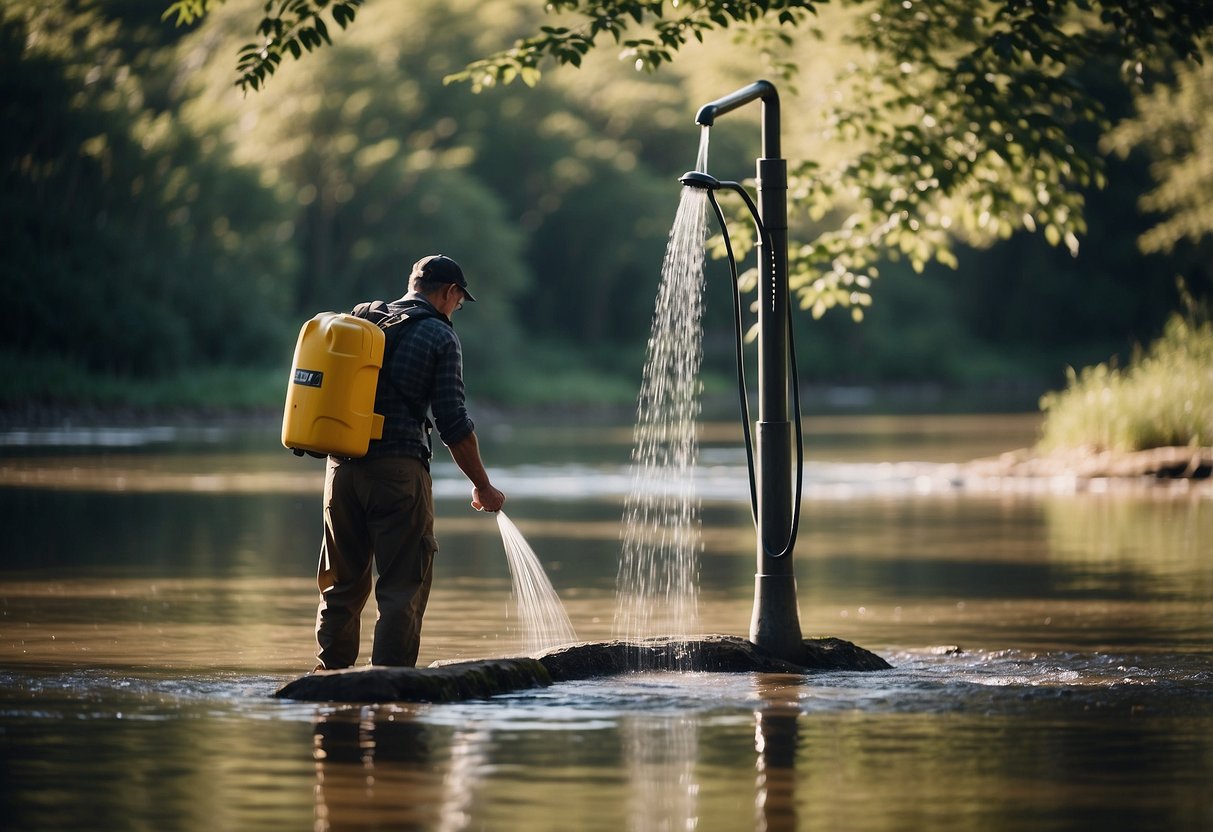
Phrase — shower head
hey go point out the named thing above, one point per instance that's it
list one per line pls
(699, 179)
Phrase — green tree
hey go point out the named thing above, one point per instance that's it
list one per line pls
(375, 164)
(962, 115)
(957, 117)
(1174, 127)
(133, 246)
(548, 197)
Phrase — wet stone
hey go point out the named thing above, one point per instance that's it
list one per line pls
(837, 654)
(713, 654)
(450, 683)
(463, 680)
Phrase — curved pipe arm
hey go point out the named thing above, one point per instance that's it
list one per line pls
(763, 237)
(739, 98)
(709, 183)
(764, 90)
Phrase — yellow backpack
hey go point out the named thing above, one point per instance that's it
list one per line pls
(330, 399)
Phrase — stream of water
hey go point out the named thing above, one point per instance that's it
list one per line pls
(544, 622)
(658, 567)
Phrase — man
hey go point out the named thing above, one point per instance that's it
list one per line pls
(380, 507)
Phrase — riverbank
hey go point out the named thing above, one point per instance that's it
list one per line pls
(960, 462)
(854, 455)
(1159, 463)
(37, 415)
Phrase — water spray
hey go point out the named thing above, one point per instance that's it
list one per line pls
(775, 622)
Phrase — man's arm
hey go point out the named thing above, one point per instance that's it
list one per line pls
(466, 453)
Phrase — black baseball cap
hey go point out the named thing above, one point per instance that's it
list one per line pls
(442, 269)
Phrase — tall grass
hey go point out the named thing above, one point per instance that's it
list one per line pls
(1163, 397)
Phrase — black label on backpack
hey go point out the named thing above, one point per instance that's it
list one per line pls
(308, 378)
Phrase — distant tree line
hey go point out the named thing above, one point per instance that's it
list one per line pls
(156, 219)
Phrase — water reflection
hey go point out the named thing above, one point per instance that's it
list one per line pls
(1019, 742)
(372, 766)
(660, 754)
(776, 741)
(152, 595)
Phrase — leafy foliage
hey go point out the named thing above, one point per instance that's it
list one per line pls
(1013, 32)
(962, 115)
(1173, 126)
(121, 250)
(569, 44)
(288, 26)
(1164, 397)
(163, 223)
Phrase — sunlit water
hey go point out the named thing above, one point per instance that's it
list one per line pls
(544, 622)
(1051, 646)
(658, 568)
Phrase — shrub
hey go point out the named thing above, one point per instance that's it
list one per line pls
(1163, 397)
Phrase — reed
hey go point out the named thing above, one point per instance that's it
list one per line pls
(1163, 397)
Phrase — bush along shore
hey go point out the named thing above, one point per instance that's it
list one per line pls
(1163, 398)
(1150, 418)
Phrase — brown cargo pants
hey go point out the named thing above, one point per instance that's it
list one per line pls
(379, 510)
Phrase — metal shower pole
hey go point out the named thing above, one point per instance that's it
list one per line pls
(775, 622)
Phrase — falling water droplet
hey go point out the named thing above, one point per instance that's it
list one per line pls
(661, 530)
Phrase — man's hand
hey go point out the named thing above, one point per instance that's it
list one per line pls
(466, 453)
(487, 499)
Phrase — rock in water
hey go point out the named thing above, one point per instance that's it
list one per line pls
(836, 654)
(459, 681)
(451, 683)
(713, 654)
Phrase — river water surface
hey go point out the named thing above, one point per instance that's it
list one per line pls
(1052, 646)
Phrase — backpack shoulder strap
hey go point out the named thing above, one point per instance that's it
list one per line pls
(374, 311)
(393, 325)
(382, 315)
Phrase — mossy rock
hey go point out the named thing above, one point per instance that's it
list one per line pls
(713, 654)
(480, 679)
(450, 683)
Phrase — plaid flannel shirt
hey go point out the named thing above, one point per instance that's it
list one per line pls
(427, 367)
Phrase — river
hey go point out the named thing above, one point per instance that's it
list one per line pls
(1052, 645)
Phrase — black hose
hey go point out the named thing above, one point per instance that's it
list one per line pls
(743, 394)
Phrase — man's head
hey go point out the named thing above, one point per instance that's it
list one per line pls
(440, 279)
